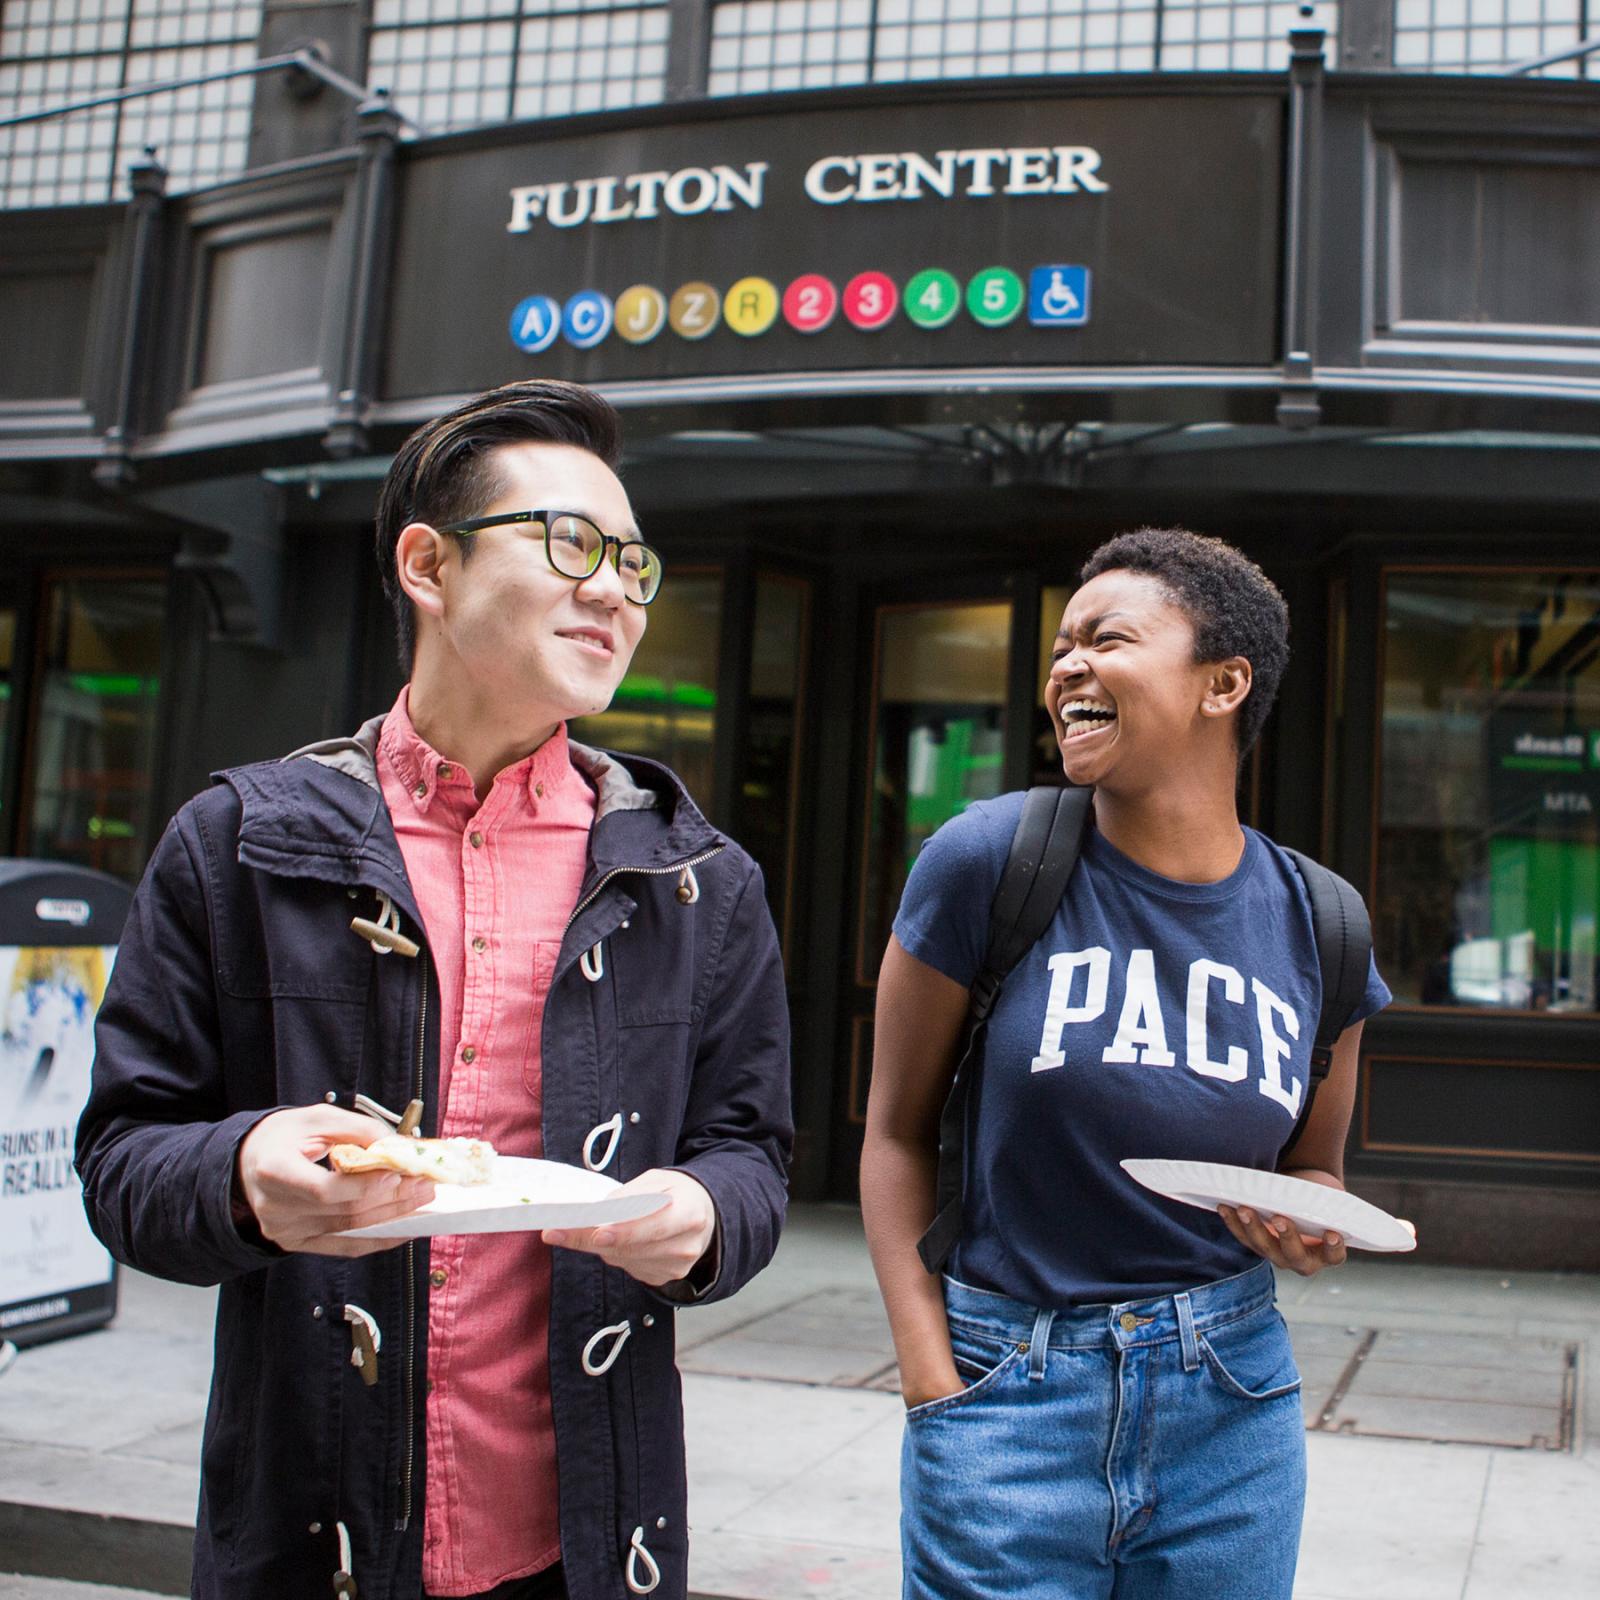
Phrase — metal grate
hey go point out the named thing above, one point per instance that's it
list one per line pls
(1517, 1394)
(1488, 35)
(494, 60)
(53, 52)
(762, 45)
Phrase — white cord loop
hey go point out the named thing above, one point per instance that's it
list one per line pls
(384, 935)
(344, 1580)
(614, 1128)
(688, 887)
(637, 1552)
(619, 1331)
(593, 963)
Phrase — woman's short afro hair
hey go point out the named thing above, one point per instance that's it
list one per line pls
(1234, 606)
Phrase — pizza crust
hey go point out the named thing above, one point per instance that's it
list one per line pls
(465, 1161)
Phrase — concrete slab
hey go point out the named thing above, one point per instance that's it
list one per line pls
(1539, 1535)
(1389, 1520)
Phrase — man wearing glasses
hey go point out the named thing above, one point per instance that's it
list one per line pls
(466, 922)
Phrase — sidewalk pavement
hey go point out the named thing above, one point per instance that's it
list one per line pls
(794, 1432)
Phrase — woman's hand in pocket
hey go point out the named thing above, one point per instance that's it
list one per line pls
(938, 1381)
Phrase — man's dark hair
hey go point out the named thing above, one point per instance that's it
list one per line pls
(445, 472)
(1234, 607)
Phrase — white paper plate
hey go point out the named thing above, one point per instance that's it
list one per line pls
(524, 1195)
(1314, 1207)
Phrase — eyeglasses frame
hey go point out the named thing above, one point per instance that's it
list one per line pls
(608, 541)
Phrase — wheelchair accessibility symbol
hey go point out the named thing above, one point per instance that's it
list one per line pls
(1058, 297)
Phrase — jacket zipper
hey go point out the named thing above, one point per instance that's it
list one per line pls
(411, 1285)
(646, 872)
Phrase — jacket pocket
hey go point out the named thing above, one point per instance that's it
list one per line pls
(1251, 1359)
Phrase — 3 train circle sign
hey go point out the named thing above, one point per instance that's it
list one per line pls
(1055, 295)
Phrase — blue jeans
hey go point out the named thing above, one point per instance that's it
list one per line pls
(1152, 1450)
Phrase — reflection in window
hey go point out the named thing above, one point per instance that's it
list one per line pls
(8, 650)
(1489, 848)
(94, 742)
(666, 706)
(1045, 753)
(939, 729)
(772, 739)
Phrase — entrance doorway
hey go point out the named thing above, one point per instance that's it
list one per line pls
(938, 707)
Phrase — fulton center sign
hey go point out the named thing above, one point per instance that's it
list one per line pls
(1067, 229)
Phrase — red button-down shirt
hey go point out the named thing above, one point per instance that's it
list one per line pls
(495, 884)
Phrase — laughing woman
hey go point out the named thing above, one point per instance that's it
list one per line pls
(1101, 1397)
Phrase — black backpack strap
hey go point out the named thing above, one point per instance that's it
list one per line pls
(1344, 953)
(1044, 850)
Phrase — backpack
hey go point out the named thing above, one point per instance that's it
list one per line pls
(1044, 850)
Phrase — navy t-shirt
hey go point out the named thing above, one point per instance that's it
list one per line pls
(1155, 1018)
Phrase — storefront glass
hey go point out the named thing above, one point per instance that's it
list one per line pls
(1489, 800)
(8, 648)
(666, 706)
(938, 741)
(769, 784)
(94, 729)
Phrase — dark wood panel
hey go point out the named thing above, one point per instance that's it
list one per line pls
(1517, 1109)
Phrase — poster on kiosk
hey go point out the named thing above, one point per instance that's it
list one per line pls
(59, 928)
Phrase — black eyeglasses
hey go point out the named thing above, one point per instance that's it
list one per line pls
(574, 547)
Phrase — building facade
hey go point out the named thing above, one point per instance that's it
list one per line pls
(908, 304)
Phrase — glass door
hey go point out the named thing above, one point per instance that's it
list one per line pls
(936, 742)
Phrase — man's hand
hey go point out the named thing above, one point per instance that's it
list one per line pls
(299, 1204)
(660, 1248)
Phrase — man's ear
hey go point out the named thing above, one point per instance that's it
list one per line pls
(1226, 687)
(419, 556)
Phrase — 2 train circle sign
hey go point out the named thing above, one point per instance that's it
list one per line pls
(1052, 296)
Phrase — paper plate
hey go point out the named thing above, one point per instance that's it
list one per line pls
(1314, 1207)
(524, 1195)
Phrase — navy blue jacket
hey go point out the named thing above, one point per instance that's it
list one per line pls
(240, 989)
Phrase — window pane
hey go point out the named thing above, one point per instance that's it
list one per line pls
(94, 746)
(666, 707)
(1045, 765)
(939, 722)
(8, 647)
(1489, 846)
(777, 673)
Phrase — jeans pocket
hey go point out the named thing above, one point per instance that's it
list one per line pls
(983, 1361)
(1252, 1359)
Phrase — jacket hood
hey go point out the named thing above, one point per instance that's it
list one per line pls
(319, 811)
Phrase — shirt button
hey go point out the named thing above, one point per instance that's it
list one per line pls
(480, 943)
(446, 771)
(1129, 1321)
(438, 1277)
(420, 790)
(468, 1054)
(475, 840)
(538, 790)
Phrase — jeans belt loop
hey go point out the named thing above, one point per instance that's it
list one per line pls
(1039, 1344)
(1186, 1334)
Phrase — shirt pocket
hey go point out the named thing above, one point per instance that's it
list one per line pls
(545, 954)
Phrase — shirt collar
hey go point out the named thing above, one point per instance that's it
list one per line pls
(425, 772)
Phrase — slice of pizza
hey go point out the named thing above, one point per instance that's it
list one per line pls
(465, 1161)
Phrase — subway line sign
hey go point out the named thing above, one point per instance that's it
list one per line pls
(1053, 296)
